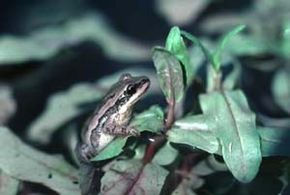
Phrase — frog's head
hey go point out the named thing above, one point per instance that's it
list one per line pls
(131, 89)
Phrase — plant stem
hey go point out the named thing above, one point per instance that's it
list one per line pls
(170, 114)
(159, 140)
(217, 81)
(152, 148)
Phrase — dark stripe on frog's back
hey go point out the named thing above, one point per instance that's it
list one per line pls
(103, 107)
(98, 114)
(111, 94)
(104, 110)
(111, 111)
(110, 98)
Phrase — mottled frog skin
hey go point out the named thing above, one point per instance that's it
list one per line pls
(111, 118)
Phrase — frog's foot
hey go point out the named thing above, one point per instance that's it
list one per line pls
(132, 131)
(122, 131)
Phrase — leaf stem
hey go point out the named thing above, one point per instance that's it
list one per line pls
(217, 81)
(170, 114)
(214, 82)
(159, 140)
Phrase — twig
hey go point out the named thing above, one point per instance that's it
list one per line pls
(170, 114)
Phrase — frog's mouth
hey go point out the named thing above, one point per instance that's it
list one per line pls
(144, 84)
(141, 87)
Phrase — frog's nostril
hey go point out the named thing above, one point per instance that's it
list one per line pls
(145, 80)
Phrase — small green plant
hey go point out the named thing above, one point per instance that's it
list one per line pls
(182, 144)
(225, 127)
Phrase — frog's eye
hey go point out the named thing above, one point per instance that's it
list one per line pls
(131, 89)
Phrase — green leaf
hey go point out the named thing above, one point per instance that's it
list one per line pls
(209, 166)
(61, 108)
(193, 131)
(132, 177)
(25, 163)
(196, 58)
(215, 57)
(228, 116)
(9, 185)
(140, 151)
(176, 45)
(156, 117)
(246, 45)
(196, 41)
(285, 42)
(169, 74)
(154, 114)
(165, 155)
(286, 30)
(275, 141)
(188, 185)
(44, 43)
(113, 149)
(231, 79)
(221, 45)
(8, 104)
(281, 89)
(189, 11)
(268, 121)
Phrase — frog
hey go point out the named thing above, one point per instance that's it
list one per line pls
(110, 119)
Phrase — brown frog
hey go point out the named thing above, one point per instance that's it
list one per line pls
(111, 118)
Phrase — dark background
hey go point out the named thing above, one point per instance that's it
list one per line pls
(34, 81)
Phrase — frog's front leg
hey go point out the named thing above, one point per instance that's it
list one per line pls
(120, 130)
